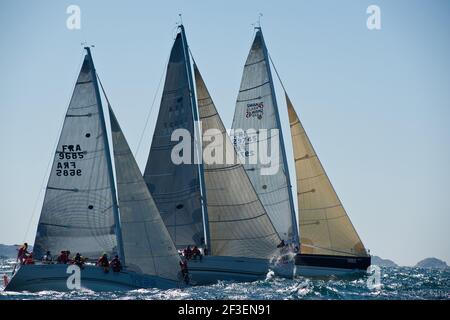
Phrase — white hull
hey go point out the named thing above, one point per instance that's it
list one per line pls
(211, 269)
(54, 277)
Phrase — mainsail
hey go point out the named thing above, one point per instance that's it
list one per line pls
(176, 188)
(238, 223)
(325, 227)
(148, 247)
(256, 108)
(78, 210)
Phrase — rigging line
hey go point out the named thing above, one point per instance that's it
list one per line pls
(51, 159)
(326, 175)
(151, 108)
(103, 89)
(276, 71)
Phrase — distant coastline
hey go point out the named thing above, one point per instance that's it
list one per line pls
(431, 263)
(376, 260)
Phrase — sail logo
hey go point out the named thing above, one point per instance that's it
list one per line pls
(250, 147)
(255, 109)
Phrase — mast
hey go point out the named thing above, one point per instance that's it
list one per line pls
(198, 133)
(109, 161)
(283, 150)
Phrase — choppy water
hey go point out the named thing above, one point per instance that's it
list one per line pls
(396, 283)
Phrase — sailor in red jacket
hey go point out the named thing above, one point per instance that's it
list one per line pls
(23, 253)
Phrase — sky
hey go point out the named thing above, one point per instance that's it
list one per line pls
(375, 103)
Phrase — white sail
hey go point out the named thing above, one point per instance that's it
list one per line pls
(148, 247)
(325, 227)
(77, 212)
(238, 223)
(175, 187)
(256, 109)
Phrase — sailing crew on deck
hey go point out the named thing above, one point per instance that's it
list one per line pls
(23, 253)
(29, 259)
(47, 258)
(196, 253)
(103, 262)
(78, 260)
(184, 270)
(187, 252)
(63, 257)
(115, 264)
(282, 244)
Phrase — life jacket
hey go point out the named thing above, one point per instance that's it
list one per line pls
(102, 261)
(63, 258)
(29, 260)
(115, 264)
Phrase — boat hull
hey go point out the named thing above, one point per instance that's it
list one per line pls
(309, 265)
(55, 277)
(211, 269)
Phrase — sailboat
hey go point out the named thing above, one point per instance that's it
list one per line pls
(209, 205)
(328, 243)
(82, 213)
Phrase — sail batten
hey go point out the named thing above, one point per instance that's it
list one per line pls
(239, 224)
(256, 109)
(148, 246)
(176, 189)
(324, 224)
(72, 219)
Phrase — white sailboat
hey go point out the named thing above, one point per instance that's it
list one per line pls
(329, 244)
(211, 206)
(82, 213)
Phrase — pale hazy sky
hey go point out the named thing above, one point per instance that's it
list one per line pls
(376, 104)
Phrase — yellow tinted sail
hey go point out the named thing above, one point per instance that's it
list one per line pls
(325, 227)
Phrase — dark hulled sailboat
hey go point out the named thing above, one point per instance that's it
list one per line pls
(329, 244)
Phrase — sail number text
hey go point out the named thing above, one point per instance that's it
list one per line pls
(69, 168)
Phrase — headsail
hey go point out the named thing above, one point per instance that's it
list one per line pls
(78, 208)
(147, 244)
(325, 227)
(239, 224)
(256, 109)
(176, 188)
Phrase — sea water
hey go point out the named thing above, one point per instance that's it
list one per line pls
(395, 283)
